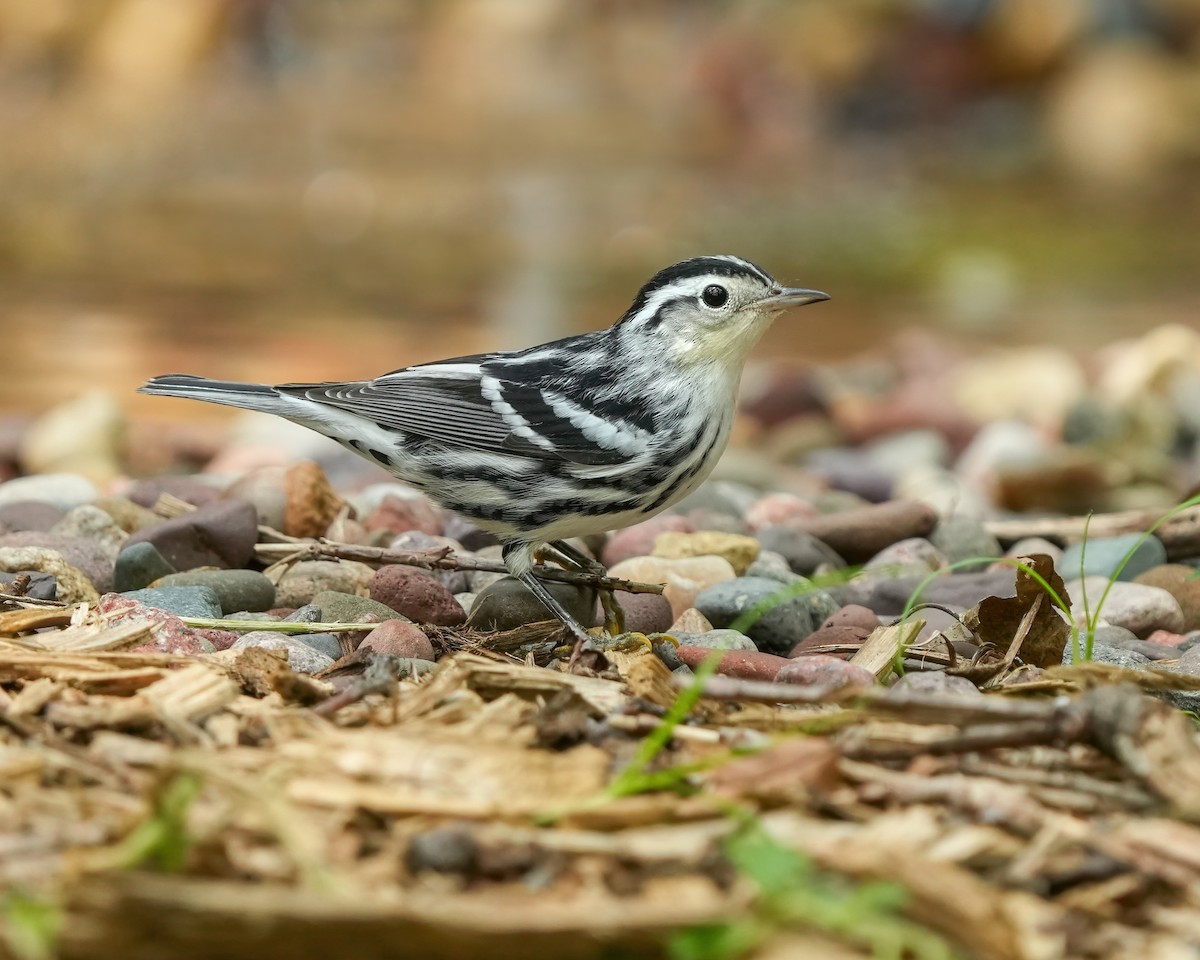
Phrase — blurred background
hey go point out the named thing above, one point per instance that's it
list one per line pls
(308, 189)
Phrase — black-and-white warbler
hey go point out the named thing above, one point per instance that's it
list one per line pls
(575, 437)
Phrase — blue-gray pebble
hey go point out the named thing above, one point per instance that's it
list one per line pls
(236, 589)
(181, 601)
(789, 616)
(326, 643)
(139, 565)
(1103, 555)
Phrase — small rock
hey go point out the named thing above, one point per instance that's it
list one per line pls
(467, 533)
(915, 556)
(963, 538)
(235, 589)
(1164, 638)
(181, 601)
(852, 615)
(1137, 607)
(310, 502)
(644, 612)
(822, 641)
(456, 581)
(172, 635)
(416, 595)
(845, 468)
(477, 580)
(508, 603)
(772, 566)
(218, 535)
(639, 539)
(787, 615)
(934, 681)
(888, 597)
(691, 621)
(348, 608)
(263, 487)
(716, 640)
(1116, 656)
(82, 435)
(139, 565)
(667, 652)
(301, 657)
(819, 671)
(40, 586)
(29, 515)
(89, 522)
(87, 557)
(326, 643)
(309, 613)
(1109, 636)
(778, 508)
(1101, 556)
(739, 550)
(193, 490)
(1029, 546)
(128, 515)
(685, 579)
(442, 850)
(72, 585)
(296, 585)
(62, 490)
(747, 664)
(1183, 584)
(859, 534)
(410, 513)
(712, 521)
(803, 552)
(398, 639)
(466, 601)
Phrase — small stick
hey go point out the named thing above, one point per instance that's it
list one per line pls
(439, 560)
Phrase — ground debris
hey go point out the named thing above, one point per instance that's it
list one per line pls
(493, 808)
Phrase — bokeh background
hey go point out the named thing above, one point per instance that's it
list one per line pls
(307, 189)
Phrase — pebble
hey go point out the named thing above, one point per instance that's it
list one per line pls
(89, 522)
(326, 643)
(235, 589)
(803, 552)
(263, 487)
(189, 489)
(1111, 636)
(1183, 584)
(84, 555)
(218, 535)
(691, 621)
(467, 533)
(817, 642)
(41, 586)
(914, 556)
(508, 603)
(684, 579)
(933, 681)
(846, 468)
(1101, 556)
(183, 601)
(821, 671)
(1167, 639)
(172, 635)
(773, 509)
(739, 550)
(416, 595)
(859, 534)
(29, 515)
(310, 503)
(62, 490)
(960, 591)
(747, 664)
(139, 565)
(456, 581)
(1137, 607)
(72, 585)
(715, 640)
(398, 639)
(308, 613)
(639, 539)
(1102, 653)
(787, 617)
(644, 612)
(410, 513)
(348, 608)
(772, 566)
(128, 515)
(963, 538)
(477, 580)
(297, 584)
(300, 656)
(852, 615)
(1030, 546)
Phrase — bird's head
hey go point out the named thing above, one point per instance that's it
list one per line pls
(709, 309)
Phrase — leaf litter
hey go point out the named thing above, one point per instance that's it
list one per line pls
(494, 808)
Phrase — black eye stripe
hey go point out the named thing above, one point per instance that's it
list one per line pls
(715, 295)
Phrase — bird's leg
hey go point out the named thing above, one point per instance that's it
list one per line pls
(614, 616)
(517, 560)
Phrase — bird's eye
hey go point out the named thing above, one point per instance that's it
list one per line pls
(715, 295)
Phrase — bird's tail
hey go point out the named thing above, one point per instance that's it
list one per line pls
(248, 396)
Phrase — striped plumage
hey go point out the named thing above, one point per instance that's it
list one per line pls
(578, 436)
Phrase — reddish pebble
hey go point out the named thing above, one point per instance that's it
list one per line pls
(775, 508)
(819, 671)
(644, 612)
(853, 615)
(746, 664)
(400, 515)
(818, 642)
(638, 540)
(1166, 638)
(399, 639)
(416, 595)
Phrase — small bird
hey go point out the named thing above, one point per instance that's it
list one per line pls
(578, 436)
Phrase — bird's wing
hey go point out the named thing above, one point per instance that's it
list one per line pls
(459, 403)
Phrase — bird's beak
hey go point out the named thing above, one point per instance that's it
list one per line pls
(792, 297)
